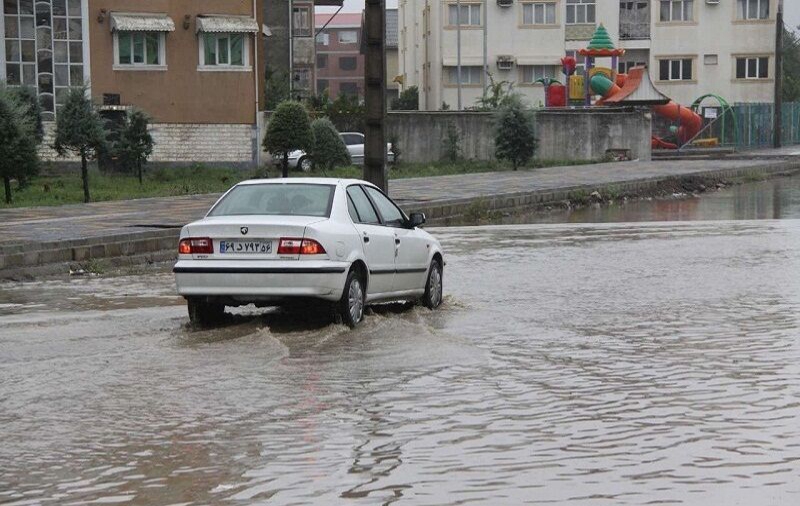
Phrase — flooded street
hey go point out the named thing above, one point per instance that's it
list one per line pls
(572, 363)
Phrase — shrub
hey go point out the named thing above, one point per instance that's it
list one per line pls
(451, 143)
(79, 130)
(407, 101)
(515, 139)
(329, 148)
(289, 129)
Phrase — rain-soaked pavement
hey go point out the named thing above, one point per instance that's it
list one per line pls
(608, 363)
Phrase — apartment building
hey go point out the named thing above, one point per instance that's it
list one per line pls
(193, 65)
(692, 47)
(339, 63)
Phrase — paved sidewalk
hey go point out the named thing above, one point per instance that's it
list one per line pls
(97, 220)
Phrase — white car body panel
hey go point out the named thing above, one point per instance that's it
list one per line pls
(397, 259)
(355, 149)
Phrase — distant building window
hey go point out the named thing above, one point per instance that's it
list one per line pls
(675, 70)
(139, 49)
(470, 14)
(322, 61)
(348, 63)
(752, 68)
(469, 75)
(224, 50)
(753, 9)
(581, 12)
(348, 37)
(624, 67)
(301, 21)
(302, 79)
(539, 13)
(677, 10)
(349, 89)
(323, 86)
(323, 39)
(532, 73)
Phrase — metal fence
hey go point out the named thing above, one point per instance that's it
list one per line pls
(754, 124)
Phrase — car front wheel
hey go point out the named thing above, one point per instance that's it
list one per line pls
(434, 288)
(204, 313)
(351, 305)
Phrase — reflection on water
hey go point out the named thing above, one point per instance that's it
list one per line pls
(764, 200)
(649, 363)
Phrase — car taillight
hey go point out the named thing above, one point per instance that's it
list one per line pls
(196, 245)
(294, 246)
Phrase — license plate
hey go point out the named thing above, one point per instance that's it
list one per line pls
(245, 247)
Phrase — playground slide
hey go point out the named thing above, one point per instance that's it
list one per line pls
(690, 122)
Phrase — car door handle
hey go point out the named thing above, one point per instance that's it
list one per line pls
(366, 238)
(397, 241)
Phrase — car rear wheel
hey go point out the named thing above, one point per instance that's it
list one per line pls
(434, 288)
(204, 313)
(351, 305)
(305, 164)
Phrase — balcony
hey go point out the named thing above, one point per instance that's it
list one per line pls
(634, 20)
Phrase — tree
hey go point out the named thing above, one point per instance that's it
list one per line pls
(514, 138)
(79, 130)
(27, 98)
(289, 129)
(329, 148)
(496, 95)
(791, 65)
(135, 141)
(407, 101)
(18, 154)
(276, 88)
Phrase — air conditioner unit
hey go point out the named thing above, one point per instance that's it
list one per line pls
(505, 62)
(505, 3)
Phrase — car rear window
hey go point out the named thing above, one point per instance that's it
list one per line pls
(276, 199)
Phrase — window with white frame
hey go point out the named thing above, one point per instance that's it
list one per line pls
(470, 75)
(348, 37)
(677, 10)
(756, 67)
(624, 67)
(222, 50)
(539, 13)
(680, 69)
(323, 39)
(301, 21)
(580, 65)
(581, 12)
(753, 9)
(139, 49)
(470, 14)
(532, 73)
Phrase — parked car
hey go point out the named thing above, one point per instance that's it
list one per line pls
(355, 146)
(277, 242)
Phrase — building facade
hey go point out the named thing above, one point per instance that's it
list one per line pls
(193, 65)
(692, 47)
(339, 62)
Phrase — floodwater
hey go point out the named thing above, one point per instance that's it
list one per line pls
(613, 363)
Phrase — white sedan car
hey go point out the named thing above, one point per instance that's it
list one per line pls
(355, 146)
(280, 242)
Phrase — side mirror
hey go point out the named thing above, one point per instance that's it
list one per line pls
(416, 219)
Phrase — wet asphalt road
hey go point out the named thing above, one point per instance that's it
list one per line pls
(571, 364)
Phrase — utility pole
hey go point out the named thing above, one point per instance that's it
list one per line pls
(458, 50)
(777, 128)
(485, 13)
(375, 93)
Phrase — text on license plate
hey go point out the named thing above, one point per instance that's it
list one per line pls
(245, 247)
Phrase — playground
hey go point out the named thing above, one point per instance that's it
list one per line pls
(708, 122)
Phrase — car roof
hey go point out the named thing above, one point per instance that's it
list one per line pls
(306, 180)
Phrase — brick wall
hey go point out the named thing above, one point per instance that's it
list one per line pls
(184, 143)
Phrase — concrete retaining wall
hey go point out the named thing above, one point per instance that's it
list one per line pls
(564, 134)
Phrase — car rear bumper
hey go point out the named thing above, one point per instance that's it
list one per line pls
(261, 280)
